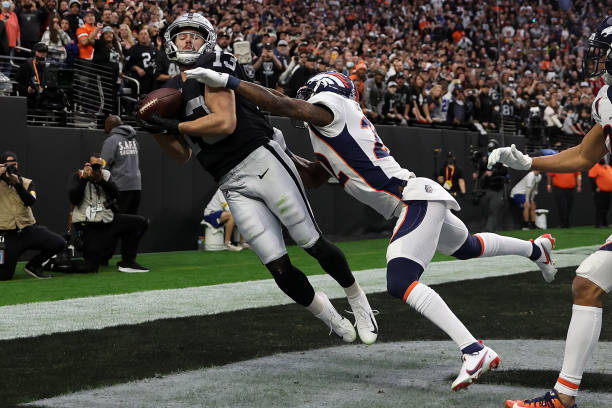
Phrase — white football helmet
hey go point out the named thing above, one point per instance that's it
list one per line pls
(201, 28)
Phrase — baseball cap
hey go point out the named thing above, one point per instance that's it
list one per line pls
(40, 46)
(361, 65)
(281, 43)
(71, 2)
(108, 29)
(392, 83)
(6, 154)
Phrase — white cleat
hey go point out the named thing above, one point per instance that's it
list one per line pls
(366, 325)
(475, 365)
(228, 246)
(546, 243)
(336, 323)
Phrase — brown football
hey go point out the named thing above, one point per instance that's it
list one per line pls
(166, 102)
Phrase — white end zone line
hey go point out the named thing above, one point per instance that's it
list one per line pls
(35, 319)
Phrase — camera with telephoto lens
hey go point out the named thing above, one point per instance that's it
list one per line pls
(96, 167)
(11, 169)
(267, 46)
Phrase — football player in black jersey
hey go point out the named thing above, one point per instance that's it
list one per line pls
(232, 140)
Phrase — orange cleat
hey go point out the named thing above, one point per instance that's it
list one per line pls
(549, 400)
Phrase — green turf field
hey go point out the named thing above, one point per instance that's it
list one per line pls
(170, 270)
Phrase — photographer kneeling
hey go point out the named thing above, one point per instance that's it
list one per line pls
(18, 229)
(92, 192)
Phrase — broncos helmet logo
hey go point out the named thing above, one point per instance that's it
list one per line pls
(330, 81)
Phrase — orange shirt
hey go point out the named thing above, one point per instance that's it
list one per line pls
(564, 180)
(85, 52)
(13, 32)
(603, 176)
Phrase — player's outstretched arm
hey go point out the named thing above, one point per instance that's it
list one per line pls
(577, 158)
(263, 97)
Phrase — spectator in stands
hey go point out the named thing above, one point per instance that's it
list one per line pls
(374, 92)
(564, 186)
(31, 20)
(282, 53)
(267, 67)
(551, 119)
(98, 9)
(451, 176)
(435, 104)
(420, 110)
(301, 75)
(32, 77)
(92, 192)
(217, 215)
(19, 231)
(107, 50)
(143, 59)
(56, 40)
(391, 103)
(87, 35)
(74, 18)
(120, 151)
(601, 182)
(457, 111)
(359, 78)
(11, 23)
(126, 39)
(523, 194)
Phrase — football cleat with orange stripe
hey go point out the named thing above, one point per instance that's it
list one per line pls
(546, 243)
(475, 365)
(549, 400)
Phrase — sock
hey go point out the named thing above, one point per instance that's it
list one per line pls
(353, 291)
(496, 245)
(316, 307)
(428, 303)
(582, 336)
(472, 348)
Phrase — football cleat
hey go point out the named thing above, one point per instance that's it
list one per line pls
(549, 400)
(336, 322)
(475, 365)
(366, 325)
(546, 243)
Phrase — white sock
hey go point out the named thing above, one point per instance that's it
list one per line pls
(582, 336)
(428, 303)
(353, 291)
(317, 305)
(495, 245)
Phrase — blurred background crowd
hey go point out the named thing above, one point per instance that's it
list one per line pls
(510, 66)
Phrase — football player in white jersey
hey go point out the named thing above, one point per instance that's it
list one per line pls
(594, 275)
(348, 148)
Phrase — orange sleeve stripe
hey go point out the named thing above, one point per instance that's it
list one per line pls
(407, 293)
(568, 384)
(481, 244)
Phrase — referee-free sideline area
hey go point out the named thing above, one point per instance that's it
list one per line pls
(518, 306)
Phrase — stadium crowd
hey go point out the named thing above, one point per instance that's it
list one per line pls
(466, 63)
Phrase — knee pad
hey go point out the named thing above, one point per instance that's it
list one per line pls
(401, 273)
(471, 248)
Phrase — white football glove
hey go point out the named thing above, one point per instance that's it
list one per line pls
(209, 77)
(510, 157)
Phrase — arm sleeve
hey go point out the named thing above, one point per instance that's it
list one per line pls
(76, 189)
(27, 196)
(110, 188)
(108, 151)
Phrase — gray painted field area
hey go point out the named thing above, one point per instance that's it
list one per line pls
(410, 374)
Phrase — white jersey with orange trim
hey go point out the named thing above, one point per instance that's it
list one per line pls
(601, 112)
(350, 149)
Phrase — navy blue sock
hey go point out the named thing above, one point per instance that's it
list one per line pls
(472, 348)
(536, 253)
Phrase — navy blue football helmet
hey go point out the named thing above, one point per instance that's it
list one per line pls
(597, 56)
(330, 81)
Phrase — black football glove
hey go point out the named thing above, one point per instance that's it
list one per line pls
(157, 124)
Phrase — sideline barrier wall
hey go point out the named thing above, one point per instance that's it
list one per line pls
(174, 196)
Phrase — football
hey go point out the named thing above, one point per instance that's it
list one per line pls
(166, 102)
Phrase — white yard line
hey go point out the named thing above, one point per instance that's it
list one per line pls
(414, 374)
(35, 319)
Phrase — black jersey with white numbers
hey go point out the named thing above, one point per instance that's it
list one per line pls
(219, 154)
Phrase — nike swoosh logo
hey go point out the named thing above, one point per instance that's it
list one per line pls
(375, 331)
(264, 173)
(478, 366)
